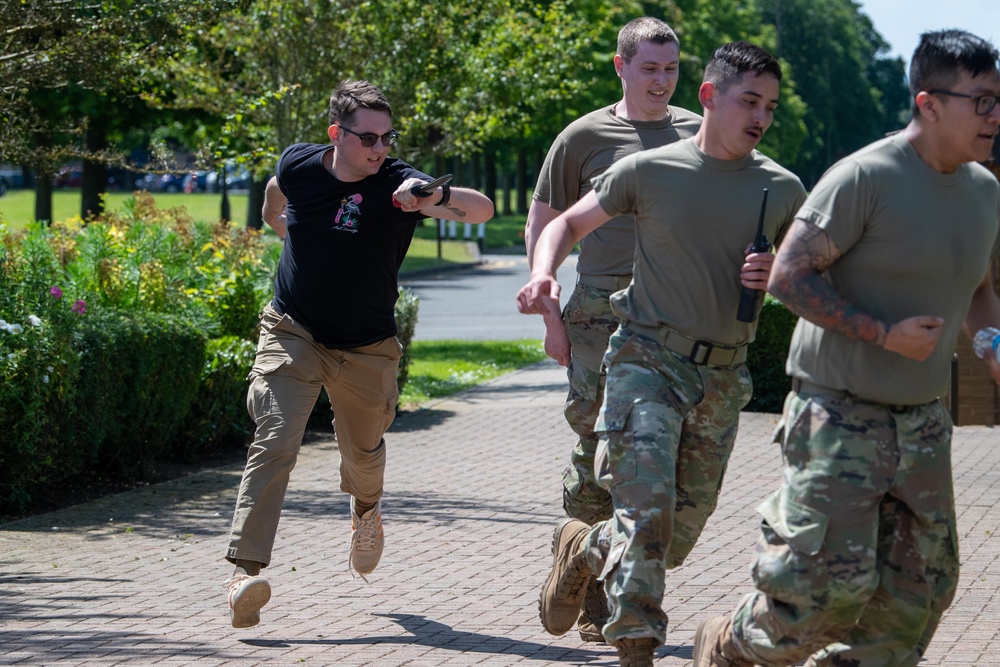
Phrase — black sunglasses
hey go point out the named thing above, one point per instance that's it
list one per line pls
(368, 139)
(984, 103)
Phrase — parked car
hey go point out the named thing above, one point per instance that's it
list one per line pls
(196, 181)
(237, 178)
(10, 178)
(68, 177)
(161, 183)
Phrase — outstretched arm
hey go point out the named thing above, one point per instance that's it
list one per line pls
(797, 280)
(541, 294)
(464, 204)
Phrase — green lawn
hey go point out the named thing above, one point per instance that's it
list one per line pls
(445, 367)
(17, 208)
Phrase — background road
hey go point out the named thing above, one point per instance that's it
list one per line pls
(477, 303)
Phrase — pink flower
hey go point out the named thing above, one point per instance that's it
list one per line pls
(80, 306)
(55, 291)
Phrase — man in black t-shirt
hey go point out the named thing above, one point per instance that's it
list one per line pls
(347, 214)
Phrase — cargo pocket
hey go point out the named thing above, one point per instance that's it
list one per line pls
(271, 354)
(615, 461)
(787, 565)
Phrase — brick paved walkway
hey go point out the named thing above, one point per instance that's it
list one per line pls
(472, 493)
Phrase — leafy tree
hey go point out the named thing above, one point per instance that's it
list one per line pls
(52, 47)
(853, 93)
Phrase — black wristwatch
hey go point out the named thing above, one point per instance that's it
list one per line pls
(445, 195)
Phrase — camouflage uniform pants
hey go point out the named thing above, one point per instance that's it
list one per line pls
(859, 545)
(589, 324)
(667, 429)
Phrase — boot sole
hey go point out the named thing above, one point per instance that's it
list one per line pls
(544, 610)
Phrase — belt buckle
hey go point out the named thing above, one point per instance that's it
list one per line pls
(696, 350)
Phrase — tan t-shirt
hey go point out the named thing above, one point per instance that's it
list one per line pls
(695, 216)
(914, 242)
(585, 149)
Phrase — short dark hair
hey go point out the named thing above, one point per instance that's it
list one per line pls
(349, 96)
(941, 56)
(733, 60)
(643, 29)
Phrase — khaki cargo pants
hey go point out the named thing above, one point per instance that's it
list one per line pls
(287, 376)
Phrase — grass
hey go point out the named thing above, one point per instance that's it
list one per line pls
(503, 232)
(445, 367)
(17, 207)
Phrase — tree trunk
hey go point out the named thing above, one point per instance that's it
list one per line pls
(522, 181)
(225, 213)
(476, 174)
(255, 202)
(43, 180)
(95, 176)
(490, 186)
(507, 187)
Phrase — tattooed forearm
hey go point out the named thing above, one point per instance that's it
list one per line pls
(797, 281)
(812, 297)
(459, 213)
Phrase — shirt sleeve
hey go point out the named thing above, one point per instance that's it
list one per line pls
(840, 205)
(559, 179)
(617, 188)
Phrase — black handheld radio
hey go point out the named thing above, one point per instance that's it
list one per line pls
(751, 299)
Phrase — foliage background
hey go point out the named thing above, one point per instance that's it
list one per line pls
(479, 88)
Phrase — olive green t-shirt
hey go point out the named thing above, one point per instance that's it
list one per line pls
(695, 216)
(914, 242)
(585, 149)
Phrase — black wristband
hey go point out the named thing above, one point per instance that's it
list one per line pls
(445, 195)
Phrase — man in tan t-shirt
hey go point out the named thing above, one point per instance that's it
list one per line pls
(676, 377)
(647, 63)
(887, 260)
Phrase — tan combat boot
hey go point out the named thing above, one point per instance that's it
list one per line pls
(636, 652)
(595, 612)
(564, 588)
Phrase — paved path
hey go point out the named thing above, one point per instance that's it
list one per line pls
(478, 302)
(472, 494)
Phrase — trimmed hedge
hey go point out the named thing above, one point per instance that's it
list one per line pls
(766, 357)
(116, 402)
(139, 374)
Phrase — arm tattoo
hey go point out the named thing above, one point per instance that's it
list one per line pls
(800, 284)
(457, 211)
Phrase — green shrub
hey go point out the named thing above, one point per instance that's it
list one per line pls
(38, 371)
(218, 417)
(767, 354)
(406, 321)
(139, 374)
(108, 330)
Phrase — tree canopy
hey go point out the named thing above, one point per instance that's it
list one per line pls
(98, 79)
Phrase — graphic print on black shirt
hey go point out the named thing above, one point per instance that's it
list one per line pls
(349, 214)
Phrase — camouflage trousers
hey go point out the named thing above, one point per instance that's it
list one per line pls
(589, 324)
(859, 544)
(667, 430)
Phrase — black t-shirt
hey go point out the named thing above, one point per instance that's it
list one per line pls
(338, 271)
